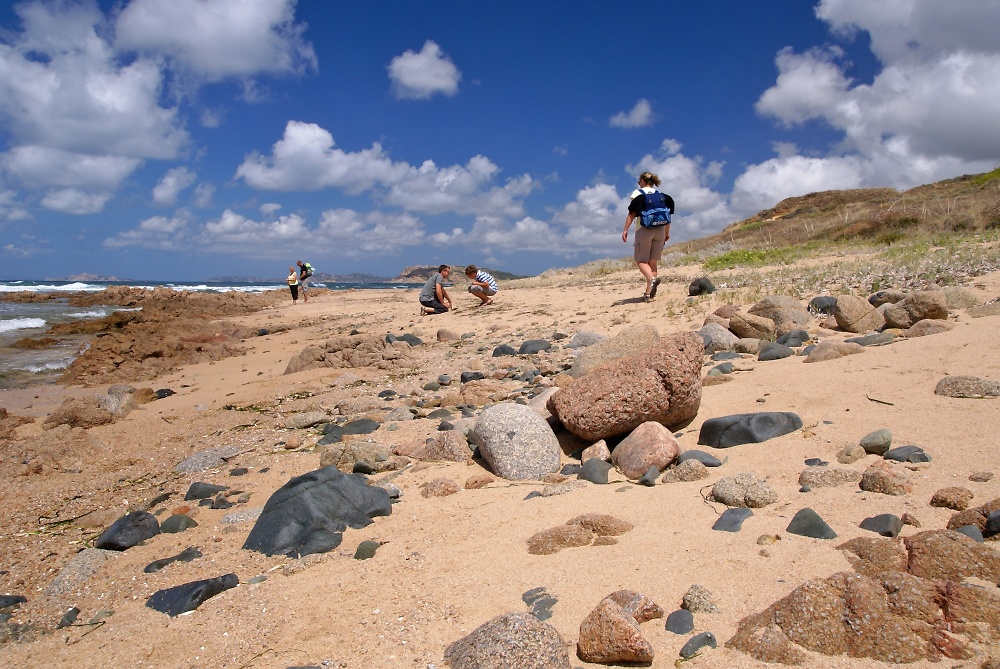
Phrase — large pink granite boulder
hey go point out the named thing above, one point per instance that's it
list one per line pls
(661, 384)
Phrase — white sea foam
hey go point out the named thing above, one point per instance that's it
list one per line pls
(75, 287)
(95, 313)
(48, 366)
(21, 324)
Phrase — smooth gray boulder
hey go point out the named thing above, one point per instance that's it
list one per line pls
(747, 428)
(516, 442)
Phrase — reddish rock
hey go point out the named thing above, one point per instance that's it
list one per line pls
(82, 412)
(955, 498)
(976, 516)
(610, 635)
(602, 525)
(597, 450)
(944, 554)
(557, 538)
(637, 605)
(750, 326)
(448, 446)
(926, 304)
(873, 556)
(831, 350)
(441, 487)
(477, 481)
(927, 327)
(886, 479)
(854, 314)
(649, 445)
(659, 384)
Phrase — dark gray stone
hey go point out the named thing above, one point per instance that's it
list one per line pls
(534, 346)
(128, 531)
(178, 522)
(188, 597)
(701, 286)
(823, 304)
(747, 428)
(886, 524)
(724, 368)
(815, 462)
(971, 531)
(913, 454)
(366, 550)
(774, 351)
(539, 602)
(595, 470)
(472, 376)
(7, 601)
(701, 456)
(795, 338)
(697, 642)
(649, 478)
(201, 490)
(731, 520)
(310, 513)
(726, 355)
(992, 526)
(504, 349)
(807, 523)
(680, 621)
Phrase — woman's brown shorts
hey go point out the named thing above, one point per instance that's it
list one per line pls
(649, 243)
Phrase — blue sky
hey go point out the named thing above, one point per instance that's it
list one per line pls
(186, 139)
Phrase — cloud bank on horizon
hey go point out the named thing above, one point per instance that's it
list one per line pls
(179, 138)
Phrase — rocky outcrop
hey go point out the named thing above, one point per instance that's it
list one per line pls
(350, 351)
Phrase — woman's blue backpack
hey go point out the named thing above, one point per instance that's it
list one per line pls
(656, 213)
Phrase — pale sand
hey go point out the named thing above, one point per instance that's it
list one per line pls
(450, 564)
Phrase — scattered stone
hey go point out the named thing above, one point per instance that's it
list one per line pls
(911, 520)
(650, 445)
(602, 525)
(609, 635)
(366, 550)
(883, 478)
(539, 602)
(955, 498)
(980, 477)
(689, 470)
(697, 642)
(211, 458)
(598, 449)
(504, 350)
(176, 523)
(698, 599)
(885, 524)
(201, 490)
(554, 539)
(822, 304)
(850, 453)
(967, 387)
(701, 286)
(854, 314)
(82, 412)
(466, 377)
(744, 490)
(477, 481)
(533, 346)
(874, 339)
(344, 455)
(447, 446)
(516, 442)
(912, 454)
(877, 442)
(701, 456)
(749, 326)
(747, 428)
(439, 487)
(920, 305)
(717, 338)
(680, 621)
(596, 470)
(775, 351)
(128, 531)
(509, 640)
(926, 328)
(808, 523)
(831, 350)
(824, 477)
(305, 419)
(188, 597)
(731, 520)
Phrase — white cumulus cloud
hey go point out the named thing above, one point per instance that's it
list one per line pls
(420, 75)
(639, 116)
(218, 39)
(171, 184)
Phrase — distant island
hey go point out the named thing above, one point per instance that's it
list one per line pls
(87, 276)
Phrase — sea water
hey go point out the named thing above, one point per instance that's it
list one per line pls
(21, 367)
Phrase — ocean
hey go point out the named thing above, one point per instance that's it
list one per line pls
(21, 367)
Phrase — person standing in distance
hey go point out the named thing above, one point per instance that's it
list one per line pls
(293, 284)
(649, 241)
(305, 271)
(483, 285)
(433, 297)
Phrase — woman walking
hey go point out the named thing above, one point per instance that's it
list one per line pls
(653, 209)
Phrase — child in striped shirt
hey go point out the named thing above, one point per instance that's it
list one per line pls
(483, 285)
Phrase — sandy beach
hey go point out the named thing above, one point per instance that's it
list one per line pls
(446, 565)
